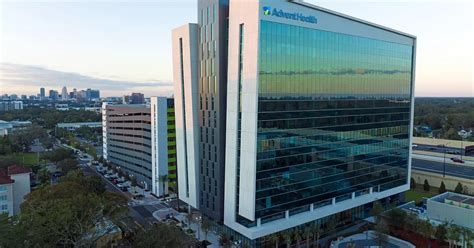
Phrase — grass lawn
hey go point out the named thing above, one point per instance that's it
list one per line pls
(418, 194)
(24, 158)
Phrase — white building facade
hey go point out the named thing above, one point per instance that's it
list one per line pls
(185, 77)
(14, 186)
(319, 115)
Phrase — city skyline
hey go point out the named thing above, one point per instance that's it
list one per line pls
(134, 55)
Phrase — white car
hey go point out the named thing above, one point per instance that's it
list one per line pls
(110, 176)
(124, 184)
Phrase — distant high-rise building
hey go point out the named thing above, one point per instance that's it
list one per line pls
(125, 99)
(81, 96)
(93, 94)
(10, 105)
(24, 97)
(74, 91)
(53, 94)
(64, 94)
(137, 98)
(42, 92)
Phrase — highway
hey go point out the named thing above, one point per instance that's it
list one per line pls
(438, 149)
(457, 170)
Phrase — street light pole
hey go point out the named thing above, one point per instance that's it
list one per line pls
(444, 164)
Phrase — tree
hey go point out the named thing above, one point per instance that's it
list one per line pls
(162, 235)
(426, 229)
(224, 240)
(287, 236)
(60, 154)
(206, 226)
(376, 211)
(316, 231)
(381, 230)
(331, 225)
(453, 235)
(133, 181)
(63, 214)
(465, 190)
(442, 188)
(466, 236)
(190, 220)
(163, 179)
(297, 235)
(397, 217)
(458, 188)
(275, 238)
(43, 176)
(412, 183)
(67, 165)
(441, 232)
(307, 234)
(11, 235)
(426, 185)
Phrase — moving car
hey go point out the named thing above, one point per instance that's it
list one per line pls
(457, 160)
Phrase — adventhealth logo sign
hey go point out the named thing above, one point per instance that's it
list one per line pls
(295, 16)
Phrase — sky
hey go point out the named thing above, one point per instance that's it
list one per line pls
(121, 47)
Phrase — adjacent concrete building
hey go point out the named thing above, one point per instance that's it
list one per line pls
(140, 139)
(163, 145)
(452, 208)
(127, 141)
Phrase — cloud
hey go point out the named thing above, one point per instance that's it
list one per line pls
(16, 78)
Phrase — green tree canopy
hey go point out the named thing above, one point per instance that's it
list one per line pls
(65, 213)
(162, 235)
(459, 188)
(426, 185)
(442, 188)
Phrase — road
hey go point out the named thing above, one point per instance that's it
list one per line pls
(441, 159)
(437, 167)
(438, 149)
(140, 216)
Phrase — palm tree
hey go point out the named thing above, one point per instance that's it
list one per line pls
(469, 237)
(316, 230)
(275, 238)
(134, 183)
(206, 227)
(288, 238)
(224, 240)
(297, 235)
(189, 219)
(466, 236)
(307, 234)
(453, 235)
(163, 179)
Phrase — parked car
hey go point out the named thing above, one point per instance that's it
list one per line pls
(123, 184)
(138, 197)
(124, 188)
(457, 160)
(110, 176)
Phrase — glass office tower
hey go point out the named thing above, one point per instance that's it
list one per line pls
(319, 117)
(311, 111)
(333, 117)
